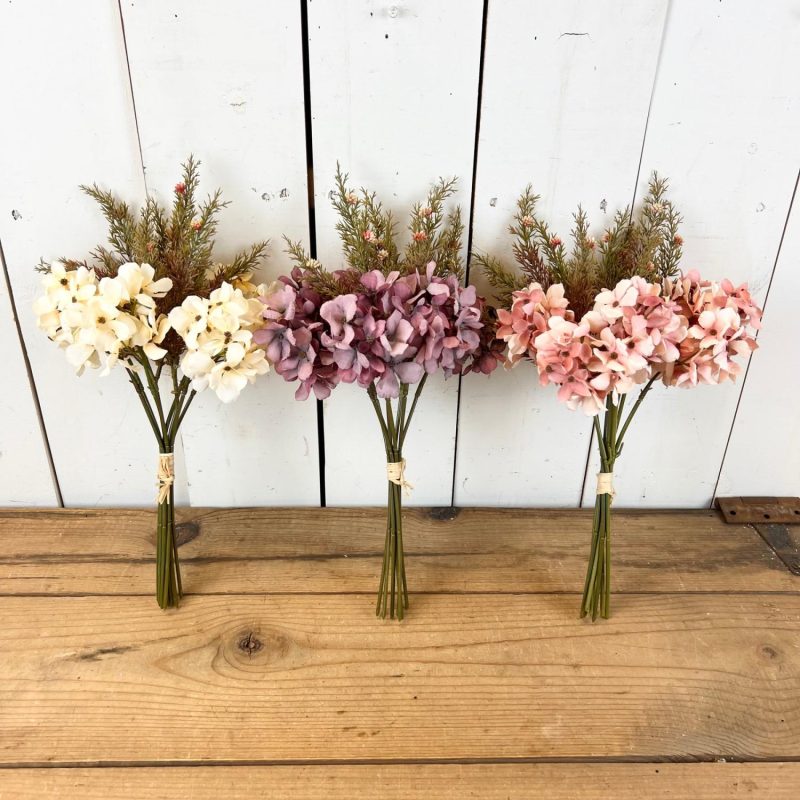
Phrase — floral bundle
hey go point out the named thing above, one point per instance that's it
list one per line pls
(386, 322)
(156, 304)
(598, 344)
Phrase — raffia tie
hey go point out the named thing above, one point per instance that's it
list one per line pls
(605, 484)
(395, 472)
(166, 475)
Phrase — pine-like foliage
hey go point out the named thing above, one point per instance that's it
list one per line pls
(646, 244)
(368, 234)
(178, 243)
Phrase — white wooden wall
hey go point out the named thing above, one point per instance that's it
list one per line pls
(582, 99)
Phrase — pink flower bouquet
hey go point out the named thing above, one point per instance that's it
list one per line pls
(597, 345)
(387, 321)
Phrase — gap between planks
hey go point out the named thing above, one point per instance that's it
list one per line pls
(338, 551)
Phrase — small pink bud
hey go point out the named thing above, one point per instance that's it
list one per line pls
(419, 236)
(527, 221)
(180, 188)
(554, 241)
(369, 236)
(196, 224)
(678, 239)
(426, 212)
(351, 198)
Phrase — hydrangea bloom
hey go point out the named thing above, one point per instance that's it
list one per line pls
(97, 320)
(685, 332)
(218, 333)
(392, 331)
(187, 330)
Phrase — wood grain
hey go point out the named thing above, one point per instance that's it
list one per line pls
(378, 110)
(74, 123)
(286, 678)
(252, 145)
(773, 465)
(777, 781)
(732, 171)
(338, 550)
(25, 478)
(597, 61)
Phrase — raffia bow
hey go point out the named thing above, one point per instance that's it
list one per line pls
(605, 484)
(395, 472)
(166, 475)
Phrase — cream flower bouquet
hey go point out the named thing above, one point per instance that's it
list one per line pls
(155, 304)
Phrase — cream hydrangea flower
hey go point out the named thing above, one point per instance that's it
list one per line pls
(190, 319)
(239, 367)
(218, 333)
(98, 321)
(228, 307)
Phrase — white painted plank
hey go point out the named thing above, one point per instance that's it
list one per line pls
(763, 456)
(394, 98)
(25, 478)
(724, 126)
(69, 120)
(565, 97)
(229, 88)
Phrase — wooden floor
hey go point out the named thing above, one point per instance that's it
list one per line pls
(274, 679)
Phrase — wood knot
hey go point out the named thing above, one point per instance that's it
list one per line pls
(250, 643)
(185, 532)
(770, 653)
(444, 513)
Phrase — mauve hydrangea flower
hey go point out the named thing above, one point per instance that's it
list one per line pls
(391, 332)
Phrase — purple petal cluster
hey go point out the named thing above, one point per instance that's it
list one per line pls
(393, 330)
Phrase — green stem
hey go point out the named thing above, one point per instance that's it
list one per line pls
(179, 418)
(152, 384)
(633, 411)
(392, 590)
(137, 385)
(373, 396)
(597, 587)
(417, 393)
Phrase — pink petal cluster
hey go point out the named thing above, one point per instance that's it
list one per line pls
(686, 331)
(393, 331)
(721, 318)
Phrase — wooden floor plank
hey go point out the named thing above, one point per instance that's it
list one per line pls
(338, 550)
(776, 781)
(285, 678)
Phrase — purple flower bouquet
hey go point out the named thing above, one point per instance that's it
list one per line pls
(387, 321)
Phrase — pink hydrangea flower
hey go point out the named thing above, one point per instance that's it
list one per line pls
(686, 332)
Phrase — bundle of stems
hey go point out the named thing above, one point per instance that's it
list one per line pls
(395, 422)
(165, 428)
(597, 589)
